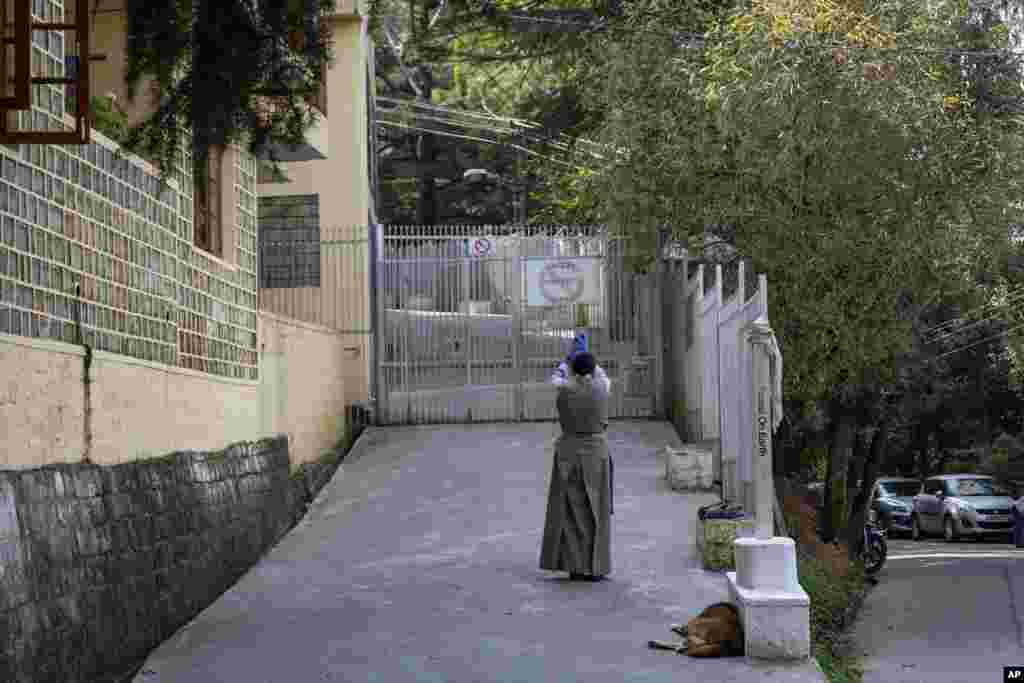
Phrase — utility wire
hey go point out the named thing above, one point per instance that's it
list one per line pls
(963, 330)
(509, 132)
(1015, 295)
(478, 139)
(979, 342)
(474, 114)
(562, 147)
(420, 116)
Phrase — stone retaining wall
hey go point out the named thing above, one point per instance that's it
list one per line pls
(99, 565)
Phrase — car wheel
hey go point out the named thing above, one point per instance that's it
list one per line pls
(949, 529)
(915, 529)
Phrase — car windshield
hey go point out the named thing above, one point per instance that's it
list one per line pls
(898, 489)
(977, 487)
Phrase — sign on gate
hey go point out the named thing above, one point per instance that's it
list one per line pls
(554, 281)
(478, 247)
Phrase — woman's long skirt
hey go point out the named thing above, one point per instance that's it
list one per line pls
(577, 529)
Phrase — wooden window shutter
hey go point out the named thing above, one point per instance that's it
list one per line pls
(208, 211)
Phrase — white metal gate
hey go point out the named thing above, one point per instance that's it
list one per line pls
(472, 321)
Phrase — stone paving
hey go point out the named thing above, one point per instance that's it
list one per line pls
(418, 562)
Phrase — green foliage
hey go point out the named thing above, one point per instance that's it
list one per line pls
(107, 119)
(834, 604)
(583, 315)
(849, 176)
(225, 72)
(960, 467)
(509, 60)
(840, 504)
(817, 459)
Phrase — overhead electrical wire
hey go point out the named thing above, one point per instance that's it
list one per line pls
(413, 104)
(497, 132)
(978, 343)
(478, 139)
(1015, 295)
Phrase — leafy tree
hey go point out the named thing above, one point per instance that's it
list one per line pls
(506, 59)
(227, 71)
(857, 154)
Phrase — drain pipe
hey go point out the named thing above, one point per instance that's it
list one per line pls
(86, 380)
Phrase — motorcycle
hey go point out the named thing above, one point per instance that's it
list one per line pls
(873, 548)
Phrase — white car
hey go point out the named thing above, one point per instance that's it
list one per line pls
(962, 505)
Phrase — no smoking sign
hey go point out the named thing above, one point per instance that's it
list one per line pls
(479, 247)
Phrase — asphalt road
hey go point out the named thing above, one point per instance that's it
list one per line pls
(944, 613)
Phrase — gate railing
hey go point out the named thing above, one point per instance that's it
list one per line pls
(707, 364)
(456, 338)
(462, 336)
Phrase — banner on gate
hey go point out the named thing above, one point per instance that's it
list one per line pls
(559, 281)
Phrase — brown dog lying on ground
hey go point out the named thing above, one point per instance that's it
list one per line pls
(715, 632)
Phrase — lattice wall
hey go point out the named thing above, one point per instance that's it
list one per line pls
(85, 216)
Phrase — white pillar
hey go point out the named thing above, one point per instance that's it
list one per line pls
(759, 336)
(774, 608)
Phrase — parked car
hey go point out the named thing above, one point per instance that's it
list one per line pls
(962, 505)
(892, 502)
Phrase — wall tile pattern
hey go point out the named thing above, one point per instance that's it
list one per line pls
(88, 233)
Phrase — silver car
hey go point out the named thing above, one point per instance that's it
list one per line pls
(961, 505)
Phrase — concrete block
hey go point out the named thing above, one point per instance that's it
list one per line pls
(767, 564)
(689, 468)
(776, 625)
(774, 608)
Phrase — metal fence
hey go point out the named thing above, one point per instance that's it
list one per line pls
(465, 337)
(708, 365)
(323, 281)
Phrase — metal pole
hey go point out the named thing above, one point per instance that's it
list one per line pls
(516, 322)
(657, 314)
(377, 319)
(466, 293)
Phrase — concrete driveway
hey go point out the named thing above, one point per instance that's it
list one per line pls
(944, 613)
(418, 562)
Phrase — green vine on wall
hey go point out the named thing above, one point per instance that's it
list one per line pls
(108, 119)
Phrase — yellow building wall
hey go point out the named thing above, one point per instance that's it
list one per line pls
(341, 181)
(309, 375)
(138, 408)
(309, 372)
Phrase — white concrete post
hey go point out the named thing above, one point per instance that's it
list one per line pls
(774, 608)
(759, 336)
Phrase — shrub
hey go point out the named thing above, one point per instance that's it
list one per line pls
(107, 119)
(835, 585)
